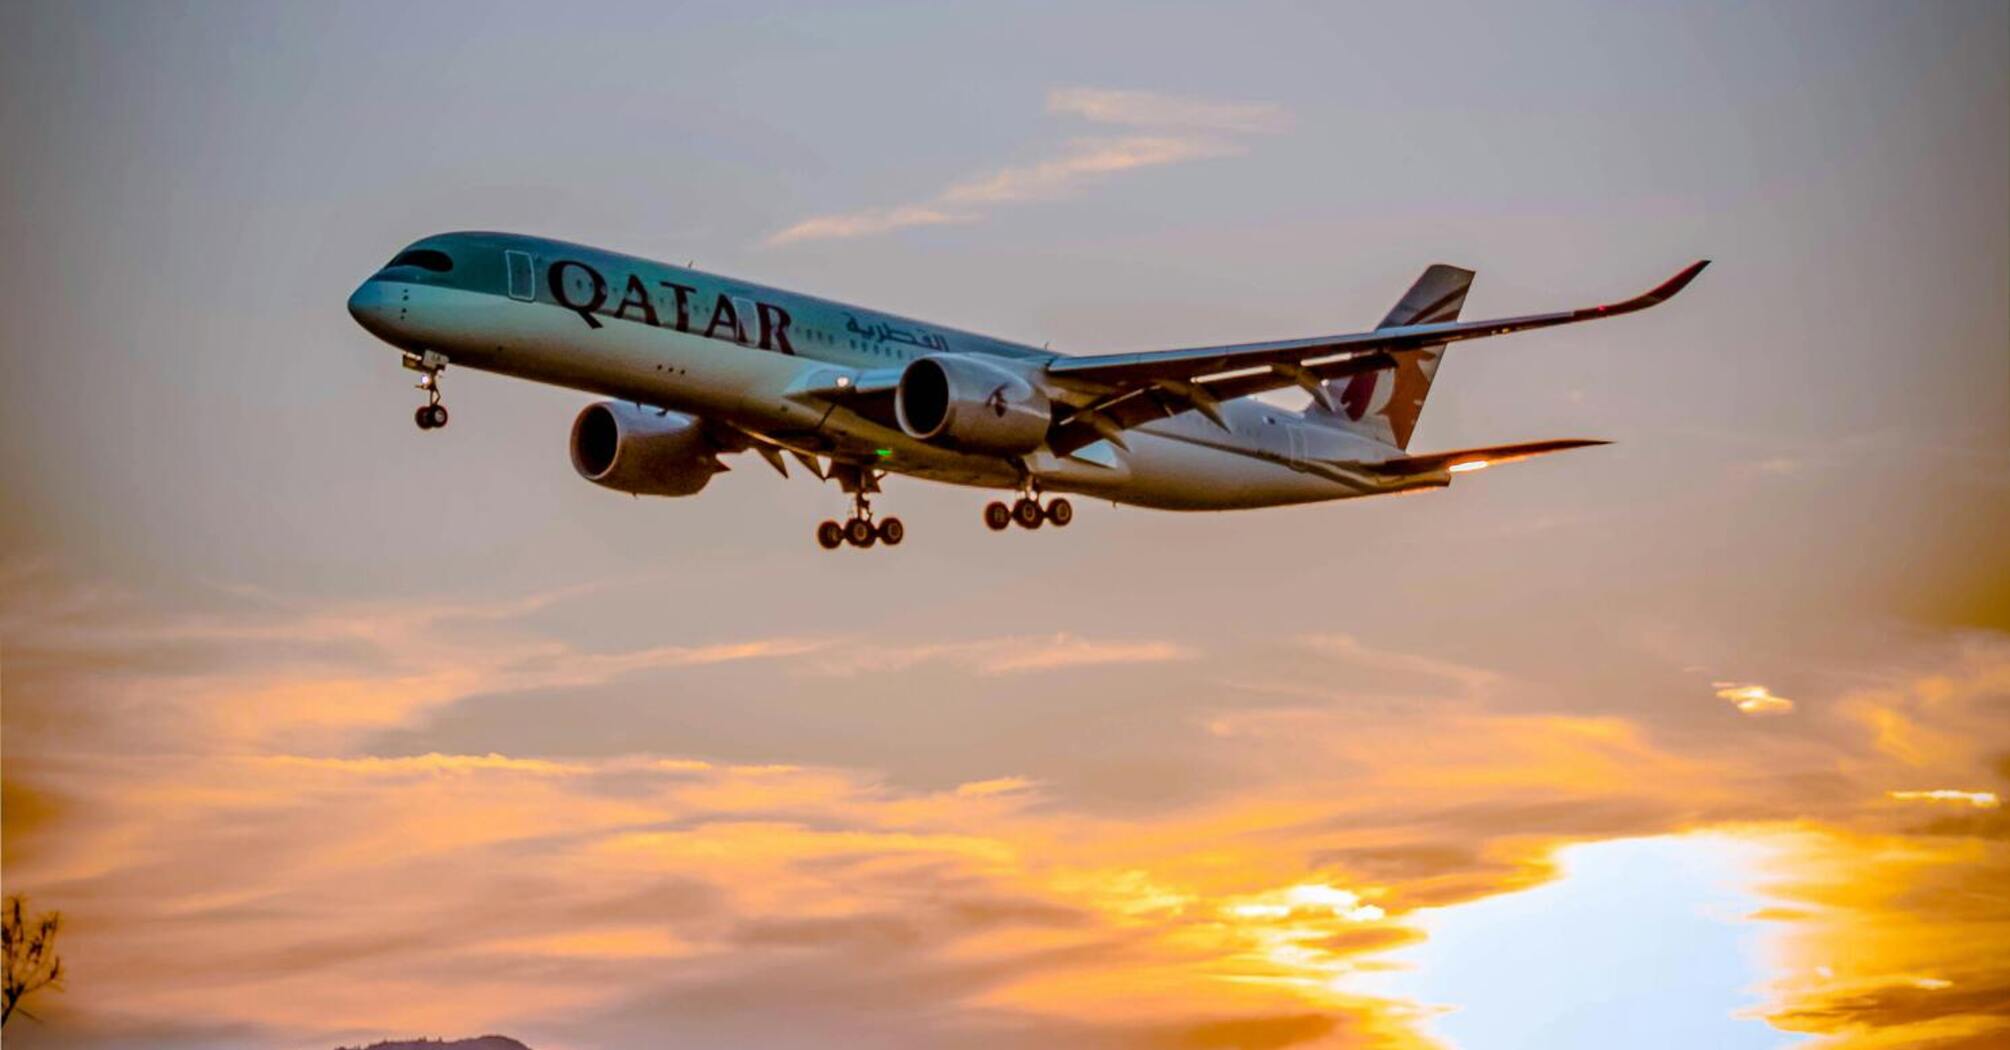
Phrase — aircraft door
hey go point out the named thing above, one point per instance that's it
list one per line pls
(745, 312)
(521, 279)
(1296, 453)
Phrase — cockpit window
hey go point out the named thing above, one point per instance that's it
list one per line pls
(424, 259)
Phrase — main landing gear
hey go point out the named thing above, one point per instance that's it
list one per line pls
(861, 531)
(1028, 512)
(432, 415)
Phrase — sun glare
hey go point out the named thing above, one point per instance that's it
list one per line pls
(1632, 928)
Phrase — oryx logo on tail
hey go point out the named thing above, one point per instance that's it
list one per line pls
(1384, 404)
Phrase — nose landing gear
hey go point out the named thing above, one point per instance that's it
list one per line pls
(432, 415)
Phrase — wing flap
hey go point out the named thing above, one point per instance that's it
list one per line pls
(1145, 404)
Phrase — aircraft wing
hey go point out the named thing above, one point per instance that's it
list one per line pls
(1105, 395)
(1142, 368)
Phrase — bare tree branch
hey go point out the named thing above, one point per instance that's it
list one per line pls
(31, 960)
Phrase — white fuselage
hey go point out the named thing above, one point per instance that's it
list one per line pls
(1263, 455)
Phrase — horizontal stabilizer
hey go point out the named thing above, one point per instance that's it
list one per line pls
(1476, 458)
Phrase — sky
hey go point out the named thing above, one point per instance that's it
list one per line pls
(320, 730)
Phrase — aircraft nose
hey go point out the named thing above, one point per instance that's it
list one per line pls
(370, 304)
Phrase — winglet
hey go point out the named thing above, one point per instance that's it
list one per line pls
(1661, 294)
(1676, 283)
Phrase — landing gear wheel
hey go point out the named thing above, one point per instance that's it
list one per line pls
(432, 415)
(1060, 512)
(997, 515)
(859, 531)
(829, 535)
(891, 531)
(1027, 513)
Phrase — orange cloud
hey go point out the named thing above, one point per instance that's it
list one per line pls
(1753, 699)
(325, 895)
(998, 656)
(1978, 799)
(1892, 940)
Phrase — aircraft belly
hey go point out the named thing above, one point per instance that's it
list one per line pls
(1171, 473)
(854, 436)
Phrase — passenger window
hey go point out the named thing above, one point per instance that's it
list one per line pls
(521, 284)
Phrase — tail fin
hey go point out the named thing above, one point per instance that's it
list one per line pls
(1384, 404)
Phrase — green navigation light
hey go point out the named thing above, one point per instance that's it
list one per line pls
(882, 452)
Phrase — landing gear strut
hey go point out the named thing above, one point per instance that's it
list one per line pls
(1027, 511)
(860, 530)
(432, 415)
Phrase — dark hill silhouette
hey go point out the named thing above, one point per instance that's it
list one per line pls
(486, 1042)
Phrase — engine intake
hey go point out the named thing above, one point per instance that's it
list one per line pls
(973, 403)
(642, 451)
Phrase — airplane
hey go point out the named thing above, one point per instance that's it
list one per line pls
(701, 366)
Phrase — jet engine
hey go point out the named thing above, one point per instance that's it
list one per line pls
(643, 450)
(973, 403)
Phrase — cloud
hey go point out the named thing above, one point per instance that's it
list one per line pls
(1065, 650)
(1146, 109)
(869, 222)
(1086, 160)
(1752, 699)
(1776, 465)
(995, 786)
(259, 671)
(1001, 656)
(1978, 799)
(686, 896)
(1890, 942)
(1180, 130)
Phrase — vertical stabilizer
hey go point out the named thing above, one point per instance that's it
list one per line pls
(1384, 404)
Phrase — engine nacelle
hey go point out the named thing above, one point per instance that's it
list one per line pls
(643, 451)
(973, 403)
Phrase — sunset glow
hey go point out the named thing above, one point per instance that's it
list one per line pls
(1978, 799)
(319, 730)
(1753, 699)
